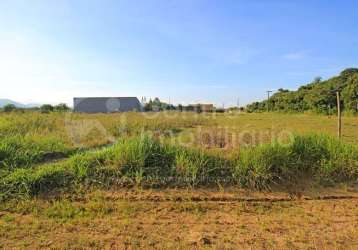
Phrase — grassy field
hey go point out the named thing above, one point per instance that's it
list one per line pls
(97, 175)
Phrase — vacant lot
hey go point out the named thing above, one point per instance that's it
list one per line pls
(169, 219)
(177, 180)
(96, 129)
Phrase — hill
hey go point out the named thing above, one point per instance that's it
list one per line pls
(4, 102)
(318, 96)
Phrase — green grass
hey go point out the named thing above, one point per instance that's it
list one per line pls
(322, 157)
(50, 164)
(145, 161)
(24, 151)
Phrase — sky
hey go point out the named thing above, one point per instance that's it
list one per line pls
(185, 51)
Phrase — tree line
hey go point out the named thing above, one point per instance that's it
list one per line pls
(45, 108)
(157, 105)
(318, 96)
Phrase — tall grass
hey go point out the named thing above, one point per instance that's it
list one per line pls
(322, 157)
(260, 166)
(197, 167)
(30, 182)
(146, 161)
(23, 151)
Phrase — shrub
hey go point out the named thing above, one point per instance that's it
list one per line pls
(9, 107)
(46, 108)
(62, 107)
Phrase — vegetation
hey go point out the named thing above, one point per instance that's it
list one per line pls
(145, 161)
(130, 179)
(62, 107)
(9, 107)
(46, 108)
(157, 105)
(318, 96)
(18, 151)
(171, 219)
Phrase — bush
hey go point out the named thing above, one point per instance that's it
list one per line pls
(9, 108)
(46, 108)
(62, 107)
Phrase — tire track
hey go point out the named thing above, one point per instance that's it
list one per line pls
(232, 199)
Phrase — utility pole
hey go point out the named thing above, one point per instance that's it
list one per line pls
(339, 114)
(268, 100)
(238, 104)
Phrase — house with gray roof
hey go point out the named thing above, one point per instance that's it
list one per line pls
(106, 104)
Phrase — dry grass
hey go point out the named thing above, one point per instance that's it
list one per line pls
(174, 219)
(109, 221)
(88, 128)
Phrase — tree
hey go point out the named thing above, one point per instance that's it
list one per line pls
(46, 108)
(62, 107)
(9, 107)
(283, 90)
(317, 80)
(350, 94)
(156, 105)
(148, 106)
(318, 96)
(347, 73)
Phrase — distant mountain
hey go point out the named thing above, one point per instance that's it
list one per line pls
(33, 105)
(4, 102)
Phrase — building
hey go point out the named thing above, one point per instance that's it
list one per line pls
(201, 107)
(207, 107)
(106, 104)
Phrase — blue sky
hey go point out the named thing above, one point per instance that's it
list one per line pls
(185, 50)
